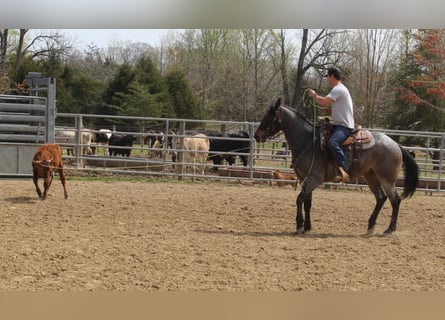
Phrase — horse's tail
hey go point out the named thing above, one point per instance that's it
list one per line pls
(411, 174)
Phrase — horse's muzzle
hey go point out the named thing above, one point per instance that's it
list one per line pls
(259, 136)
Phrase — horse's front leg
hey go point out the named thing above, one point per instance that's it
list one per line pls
(299, 218)
(307, 212)
(303, 224)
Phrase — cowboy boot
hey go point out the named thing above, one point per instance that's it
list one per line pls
(344, 174)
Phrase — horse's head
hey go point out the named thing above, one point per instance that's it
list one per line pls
(271, 123)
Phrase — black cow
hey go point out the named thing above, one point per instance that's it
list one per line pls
(152, 136)
(225, 146)
(121, 140)
(155, 141)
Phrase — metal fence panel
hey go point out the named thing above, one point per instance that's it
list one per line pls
(263, 158)
(26, 122)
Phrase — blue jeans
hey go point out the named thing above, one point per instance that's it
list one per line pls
(339, 135)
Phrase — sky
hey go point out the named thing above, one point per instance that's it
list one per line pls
(102, 38)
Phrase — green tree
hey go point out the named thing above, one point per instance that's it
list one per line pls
(138, 91)
(148, 75)
(77, 92)
(119, 85)
(139, 102)
(185, 103)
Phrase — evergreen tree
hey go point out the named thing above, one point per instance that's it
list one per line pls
(186, 105)
(147, 73)
(138, 91)
(148, 76)
(117, 86)
(77, 92)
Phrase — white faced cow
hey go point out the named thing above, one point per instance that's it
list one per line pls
(101, 138)
(195, 151)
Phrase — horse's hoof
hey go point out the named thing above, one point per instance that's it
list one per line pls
(370, 232)
(388, 232)
(300, 231)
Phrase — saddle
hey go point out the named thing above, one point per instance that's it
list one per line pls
(357, 141)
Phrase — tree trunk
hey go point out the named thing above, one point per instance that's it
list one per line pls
(20, 54)
(283, 69)
(297, 99)
(3, 47)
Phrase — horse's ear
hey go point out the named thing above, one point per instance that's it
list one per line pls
(278, 103)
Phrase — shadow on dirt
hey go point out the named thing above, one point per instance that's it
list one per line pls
(25, 200)
(281, 234)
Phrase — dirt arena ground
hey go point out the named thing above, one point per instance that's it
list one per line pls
(159, 236)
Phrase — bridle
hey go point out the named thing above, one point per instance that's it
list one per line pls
(276, 119)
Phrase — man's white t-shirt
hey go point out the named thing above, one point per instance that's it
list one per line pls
(342, 108)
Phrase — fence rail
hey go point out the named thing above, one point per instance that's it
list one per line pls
(263, 157)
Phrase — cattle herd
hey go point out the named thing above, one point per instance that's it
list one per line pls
(194, 147)
(220, 146)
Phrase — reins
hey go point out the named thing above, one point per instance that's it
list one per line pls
(314, 138)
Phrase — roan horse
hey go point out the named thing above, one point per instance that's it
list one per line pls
(379, 165)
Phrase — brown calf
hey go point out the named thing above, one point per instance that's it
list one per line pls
(47, 159)
(280, 176)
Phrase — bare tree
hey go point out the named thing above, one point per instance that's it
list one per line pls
(259, 73)
(372, 55)
(40, 46)
(4, 81)
(319, 49)
(281, 60)
(209, 47)
(3, 50)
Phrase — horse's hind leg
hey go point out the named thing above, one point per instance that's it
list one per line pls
(394, 198)
(299, 218)
(380, 197)
(304, 224)
(307, 212)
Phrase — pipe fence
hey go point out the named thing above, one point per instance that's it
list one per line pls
(263, 158)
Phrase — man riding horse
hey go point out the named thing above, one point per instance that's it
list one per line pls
(342, 112)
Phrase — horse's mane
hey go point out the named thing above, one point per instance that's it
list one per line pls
(302, 116)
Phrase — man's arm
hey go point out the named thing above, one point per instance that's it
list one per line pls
(322, 101)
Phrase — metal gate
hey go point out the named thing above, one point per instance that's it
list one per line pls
(25, 123)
